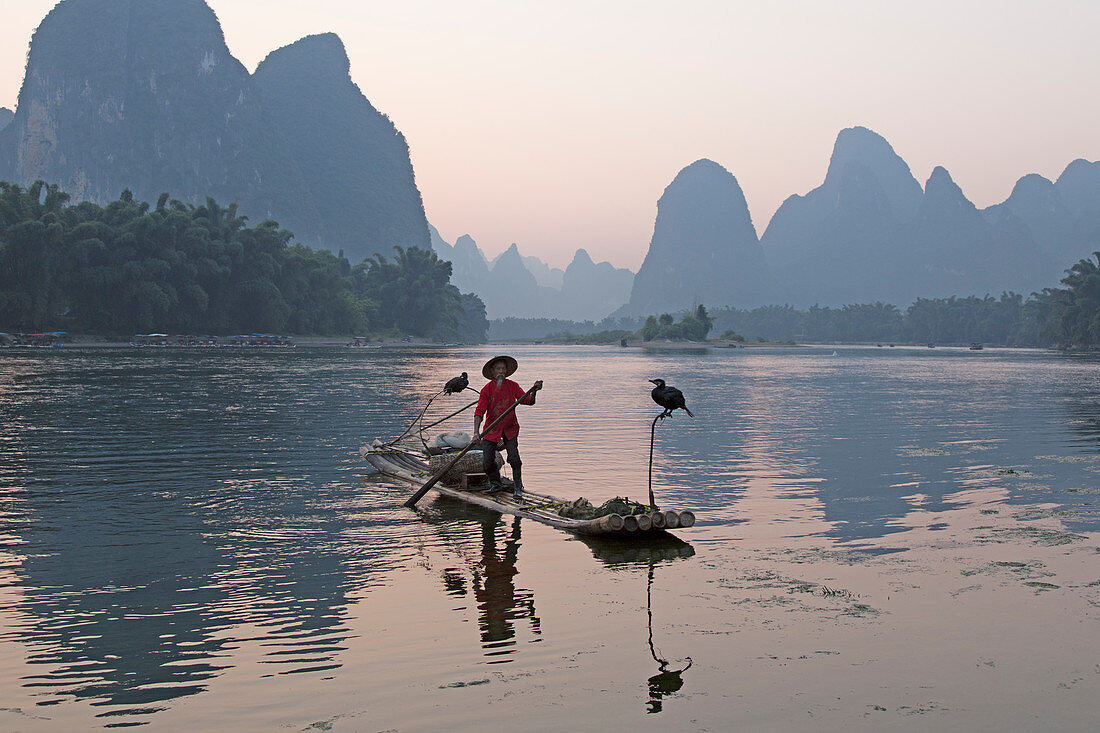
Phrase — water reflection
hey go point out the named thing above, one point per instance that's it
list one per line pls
(156, 529)
(666, 681)
(649, 552)
(501, 604)
(168, 516)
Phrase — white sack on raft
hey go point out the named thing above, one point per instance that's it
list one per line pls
(452, 439)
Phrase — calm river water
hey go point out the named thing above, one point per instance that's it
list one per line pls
(887, 539)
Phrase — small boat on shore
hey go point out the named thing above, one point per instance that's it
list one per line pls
(408, 467)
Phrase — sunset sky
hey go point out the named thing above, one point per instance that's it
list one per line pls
(558, 125)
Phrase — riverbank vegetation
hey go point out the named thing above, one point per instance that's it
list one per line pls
(178, 268)
(1066, 317)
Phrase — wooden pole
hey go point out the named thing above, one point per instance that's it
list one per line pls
(652, 436)
(456, 412)
(411, 502)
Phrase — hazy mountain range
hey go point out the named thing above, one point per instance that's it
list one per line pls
(525, 287)
(144, 95)
(870, 232)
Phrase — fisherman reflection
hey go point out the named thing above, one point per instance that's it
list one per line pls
(497, 599)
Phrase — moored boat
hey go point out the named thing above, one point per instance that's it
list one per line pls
(544, 508)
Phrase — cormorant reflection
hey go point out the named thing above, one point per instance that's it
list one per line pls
(666, 681)
(648, 551)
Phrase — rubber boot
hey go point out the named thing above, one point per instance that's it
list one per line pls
(495, 484)
(517, 481)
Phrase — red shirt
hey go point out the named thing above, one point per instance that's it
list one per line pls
(495, 400)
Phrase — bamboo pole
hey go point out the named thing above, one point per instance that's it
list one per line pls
(456, 412)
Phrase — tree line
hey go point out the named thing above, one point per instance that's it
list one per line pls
(1066, 317)
(130, 267)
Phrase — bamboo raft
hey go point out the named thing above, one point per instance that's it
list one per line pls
(542, 508)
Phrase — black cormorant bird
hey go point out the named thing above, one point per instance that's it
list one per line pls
(457, 384)
(669, 398)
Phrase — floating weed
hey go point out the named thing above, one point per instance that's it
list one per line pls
(802, 588)
(1068, 459)
(960, 591)
(1039, 536)
(912, 451)
(1043, 513)
(990, 511)
(1040, 586)
(827, 592)
(1019, 568)
(994, 472)
(1083, 490)
(471, 683)
(861, 610)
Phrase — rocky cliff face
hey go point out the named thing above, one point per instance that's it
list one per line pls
(951, 249)
(1063, 218)
(144, 94)
(704, 247)
(6, 116)
(354, 162)
(840, 242)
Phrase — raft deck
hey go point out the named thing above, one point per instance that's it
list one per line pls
(531, 505)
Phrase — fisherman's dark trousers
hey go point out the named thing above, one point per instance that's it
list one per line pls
(489, 456)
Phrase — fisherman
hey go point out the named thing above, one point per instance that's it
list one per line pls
(497, 396)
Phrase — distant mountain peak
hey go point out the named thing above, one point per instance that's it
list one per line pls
(319, 53)
(942, 196)
(582, 256)
(940, 185)
(1079, 186)
(1032, 184)
(704, 246)
(860, 147)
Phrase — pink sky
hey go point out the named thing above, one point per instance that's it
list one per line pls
(558, 125)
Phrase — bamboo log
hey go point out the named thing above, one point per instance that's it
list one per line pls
(672, 520)
(630, 523)
(645, 522)
(658, 519)
(687, 519)
(610, 522)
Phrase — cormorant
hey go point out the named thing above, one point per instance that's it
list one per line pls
(457, 384)
(669, 398)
